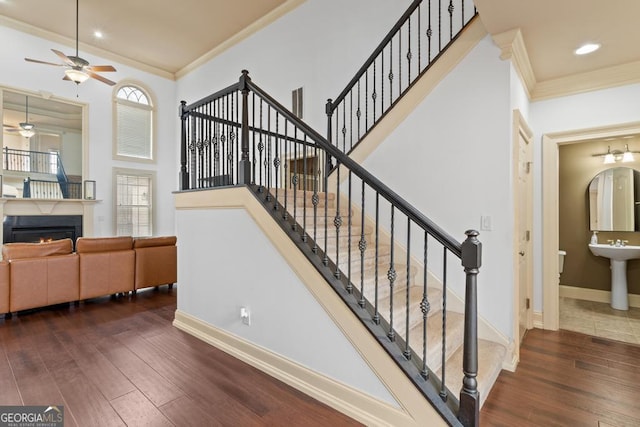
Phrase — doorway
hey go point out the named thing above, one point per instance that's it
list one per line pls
(550, 210)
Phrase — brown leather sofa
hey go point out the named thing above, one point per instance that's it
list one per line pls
(106, 265)
(41, 274)
(156, 261)
(4, 287)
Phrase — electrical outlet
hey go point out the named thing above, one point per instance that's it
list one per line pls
(245, 315)
(485, 223)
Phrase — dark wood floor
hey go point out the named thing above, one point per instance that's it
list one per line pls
(568, 379)
(120, 361)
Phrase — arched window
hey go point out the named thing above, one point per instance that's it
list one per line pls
(134, 124)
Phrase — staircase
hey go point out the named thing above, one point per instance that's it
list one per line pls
(362, 267)
(392, 266)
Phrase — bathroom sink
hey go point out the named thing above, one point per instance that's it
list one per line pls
(618, 257)
(616, 253)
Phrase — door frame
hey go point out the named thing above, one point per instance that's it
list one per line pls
(520, 129)
(550, 210)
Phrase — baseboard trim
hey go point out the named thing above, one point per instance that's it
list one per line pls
(595, 295)
(538, 321)
(349, 401)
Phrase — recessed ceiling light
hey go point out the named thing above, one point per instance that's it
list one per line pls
(587, 48)
(98, 34)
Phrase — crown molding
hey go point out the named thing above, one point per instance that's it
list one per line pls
(256, 26)
(512, 48)
(605, 78)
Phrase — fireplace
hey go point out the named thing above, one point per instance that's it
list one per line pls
(38, 228)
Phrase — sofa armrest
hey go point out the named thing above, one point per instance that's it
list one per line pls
(156, 261)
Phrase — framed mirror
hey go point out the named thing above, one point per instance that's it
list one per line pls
(42, 141)
(614, 200)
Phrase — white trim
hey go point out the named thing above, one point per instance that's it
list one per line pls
(595, 295)
(512, 48)
(550, 210)
(537, 320)
(349, 401)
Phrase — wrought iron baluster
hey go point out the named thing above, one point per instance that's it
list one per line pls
(349, 282)
(304, 190)
(425, 307)
(287, 180)
(316, 198)
(407, 348)
(337, 221)
(261, 147)
(450, 10)
(374, 95)
(400, 62)
(391, 275)
(276, 160)
(359, 112)
(362, 245)
(443, 377)
(294, 179)
(376, 314)
(419, 39)
(390, 77)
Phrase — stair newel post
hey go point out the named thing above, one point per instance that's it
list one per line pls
(469, 412)
(184, 174)
(329, 111)
(244, 165)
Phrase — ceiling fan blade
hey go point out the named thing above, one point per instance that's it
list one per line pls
(99, 77)
(66, 78)
(37, 61)
(101, 68)
(64, 57)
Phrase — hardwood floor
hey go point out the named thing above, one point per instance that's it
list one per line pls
(568, 379)
(114, 362)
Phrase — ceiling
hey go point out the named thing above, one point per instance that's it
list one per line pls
(553, 29)
(174, 35)
(164, 38)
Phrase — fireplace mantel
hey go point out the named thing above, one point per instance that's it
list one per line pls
(23, 206)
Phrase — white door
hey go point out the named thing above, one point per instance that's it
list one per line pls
(524, 215)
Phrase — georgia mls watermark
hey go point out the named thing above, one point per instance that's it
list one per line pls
(31, 416)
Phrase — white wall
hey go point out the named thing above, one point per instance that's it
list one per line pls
(319, 46)
(18, 74)
(451, 158)
(571, 113)
(229, 264)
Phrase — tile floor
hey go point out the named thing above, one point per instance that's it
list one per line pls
(600, 320)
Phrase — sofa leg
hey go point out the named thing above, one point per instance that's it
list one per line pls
(170, 285)
(8, 315)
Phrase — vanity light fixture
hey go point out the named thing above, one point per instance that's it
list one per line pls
(614, 156)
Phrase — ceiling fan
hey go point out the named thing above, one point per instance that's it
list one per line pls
(78, 69)
(26, 128)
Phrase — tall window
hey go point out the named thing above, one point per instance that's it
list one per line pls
(134, 124)
(133, 203)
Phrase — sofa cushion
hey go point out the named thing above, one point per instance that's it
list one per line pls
(34, 250)
(147, 242)
(103, 244)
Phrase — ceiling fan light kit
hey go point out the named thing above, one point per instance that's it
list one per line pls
(26, 128)
(78, 69)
